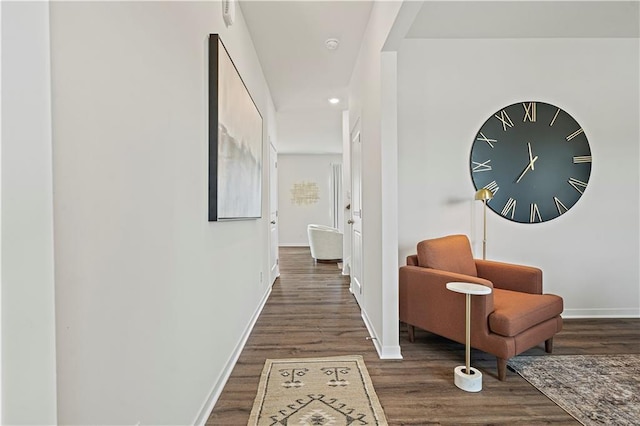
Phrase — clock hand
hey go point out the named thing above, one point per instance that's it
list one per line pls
(530, 156)
(529, 166)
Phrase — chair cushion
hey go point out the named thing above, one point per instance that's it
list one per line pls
(515, 312)
(451, 253)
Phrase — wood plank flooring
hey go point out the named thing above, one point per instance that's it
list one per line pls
(311, 313)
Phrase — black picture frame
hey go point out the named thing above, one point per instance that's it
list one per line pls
(235, 141)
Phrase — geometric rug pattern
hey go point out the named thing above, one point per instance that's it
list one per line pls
(594, 389)
(316, 391)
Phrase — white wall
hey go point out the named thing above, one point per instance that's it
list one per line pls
(311, 131)
(294, 215)
(365, 104)
(152, 300)
(28, 318)
(447, 88)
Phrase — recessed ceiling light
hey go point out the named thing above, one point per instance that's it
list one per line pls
(334, 101)
(332, 43)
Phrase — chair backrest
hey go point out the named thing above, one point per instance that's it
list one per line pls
(313, 226)
(325, 242)
(451, 253)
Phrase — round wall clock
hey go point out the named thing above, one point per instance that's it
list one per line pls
(534, 158)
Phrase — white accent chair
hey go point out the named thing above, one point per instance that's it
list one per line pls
(325, 242)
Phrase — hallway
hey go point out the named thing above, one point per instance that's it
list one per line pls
(311, 313)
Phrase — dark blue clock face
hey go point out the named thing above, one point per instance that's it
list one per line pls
(536, 160)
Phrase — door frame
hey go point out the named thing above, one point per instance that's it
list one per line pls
(274, 256)
(355, 213)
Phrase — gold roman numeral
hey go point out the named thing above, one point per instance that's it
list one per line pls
(481, 167)
(581, 159)
(574, 134)
(554, 117)
(504, 118)
(509, 207)
(493, 187)
(534, 215)
(482, 137)
(561, 207)
(578, 185)
(529, 112)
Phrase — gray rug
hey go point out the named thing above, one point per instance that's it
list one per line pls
(594, 389)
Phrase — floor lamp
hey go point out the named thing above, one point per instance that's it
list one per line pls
(484, 195)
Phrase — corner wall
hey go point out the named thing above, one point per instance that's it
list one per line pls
(152, 300)
(365, 107)
(28, 305)
(447, 88)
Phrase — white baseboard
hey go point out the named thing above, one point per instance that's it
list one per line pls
(391, 352)
(346, 266)
(601, 313)
(207, 407)
(384, 352)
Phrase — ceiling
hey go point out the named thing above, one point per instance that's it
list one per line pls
(302, 74)
(526, 19)
(289, 37)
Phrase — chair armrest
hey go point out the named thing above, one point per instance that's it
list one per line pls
(436, 277)
(426, 302)
(508, 276)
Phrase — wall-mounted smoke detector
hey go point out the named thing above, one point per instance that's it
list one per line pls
(229, 11)
(332, 43)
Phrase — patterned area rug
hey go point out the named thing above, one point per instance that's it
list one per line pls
(594, 389)
(316, 391)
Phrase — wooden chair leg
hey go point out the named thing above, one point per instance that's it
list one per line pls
(412, 332)
(548, 345)
(502, 369)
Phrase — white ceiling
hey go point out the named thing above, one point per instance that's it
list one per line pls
(526, 19)
(290, 36)
(302, 74)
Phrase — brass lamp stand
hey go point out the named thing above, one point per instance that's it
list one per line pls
(484, 195)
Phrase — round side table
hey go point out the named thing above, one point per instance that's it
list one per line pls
(466, 377)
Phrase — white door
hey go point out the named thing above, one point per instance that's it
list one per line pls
(273, 214)
(356, 214)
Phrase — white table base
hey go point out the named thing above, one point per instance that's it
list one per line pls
(467, 382)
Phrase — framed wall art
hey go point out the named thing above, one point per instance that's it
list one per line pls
(235, 141)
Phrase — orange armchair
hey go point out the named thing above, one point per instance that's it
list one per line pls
(513, 318)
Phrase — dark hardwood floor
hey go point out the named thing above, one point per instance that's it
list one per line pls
(311, 313)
